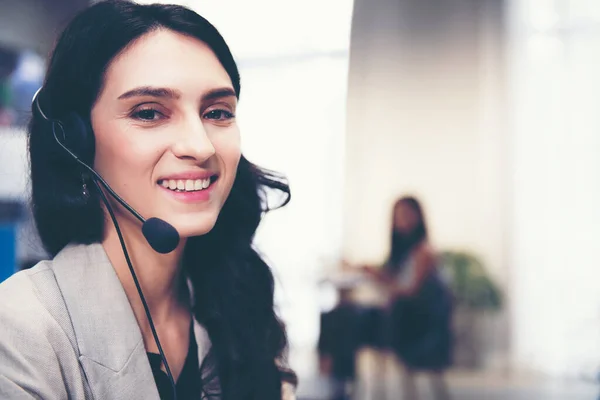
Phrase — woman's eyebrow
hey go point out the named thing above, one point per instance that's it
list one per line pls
(149, 91)
(218, 93)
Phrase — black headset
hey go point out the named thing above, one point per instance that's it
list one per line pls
(162, 236)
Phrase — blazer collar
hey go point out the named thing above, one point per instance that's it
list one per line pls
(109, 340)
(105, 326)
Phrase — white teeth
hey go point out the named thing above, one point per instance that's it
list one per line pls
(188, 185)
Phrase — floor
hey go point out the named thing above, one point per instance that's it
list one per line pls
(464, 385)
(495, 390)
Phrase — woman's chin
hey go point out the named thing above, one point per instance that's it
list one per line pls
(191, 226)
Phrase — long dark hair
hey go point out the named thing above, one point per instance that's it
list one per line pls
(402, 243)
(233, 285)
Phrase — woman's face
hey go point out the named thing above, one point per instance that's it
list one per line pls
(166, 136)
(405, 218)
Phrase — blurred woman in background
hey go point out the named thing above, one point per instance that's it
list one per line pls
(419, 302)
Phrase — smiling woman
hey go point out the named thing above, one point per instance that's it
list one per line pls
(142, 99)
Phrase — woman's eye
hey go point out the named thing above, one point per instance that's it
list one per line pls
(219, 115)
(147, 114)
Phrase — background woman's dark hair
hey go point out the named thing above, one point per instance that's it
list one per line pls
(234, 286)
(403, 242)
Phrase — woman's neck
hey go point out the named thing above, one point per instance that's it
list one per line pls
(159, 275)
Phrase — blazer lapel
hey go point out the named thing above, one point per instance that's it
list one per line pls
(111, 349)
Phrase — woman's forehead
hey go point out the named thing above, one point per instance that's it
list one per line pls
(164, 58)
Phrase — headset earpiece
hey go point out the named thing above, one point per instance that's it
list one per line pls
(75, 133)
(78, 136)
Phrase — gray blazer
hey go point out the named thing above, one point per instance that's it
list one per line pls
(67, 331)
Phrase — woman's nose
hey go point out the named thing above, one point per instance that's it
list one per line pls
(193, 142)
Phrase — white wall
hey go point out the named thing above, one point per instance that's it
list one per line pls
(555, 60)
